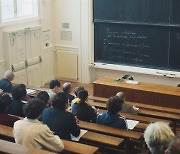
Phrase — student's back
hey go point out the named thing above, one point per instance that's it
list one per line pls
(111, 118)
(82, 109)
(18, 93)
(5, 118)
(60, 121)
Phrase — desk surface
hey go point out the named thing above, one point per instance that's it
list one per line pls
(157, 88)
(110, 131)
(13, 148)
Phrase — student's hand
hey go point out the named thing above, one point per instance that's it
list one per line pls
(77, 120)
(1, 91)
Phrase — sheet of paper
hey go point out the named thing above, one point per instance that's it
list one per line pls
(131, 123)
(83, 131)
(31, 91)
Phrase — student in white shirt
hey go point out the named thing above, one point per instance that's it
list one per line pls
(54, 88)
(31, 132)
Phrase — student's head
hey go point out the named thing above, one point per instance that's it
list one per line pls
(34, 108)
(43, 95)
(157, 137)
(9, 75)
(60, 101)
(83, 95)
(121, 95)
(77, 89)
(19, 91)
(174, 146)
(114, 104)
(67, 87)
(5, 101)
(55, 85)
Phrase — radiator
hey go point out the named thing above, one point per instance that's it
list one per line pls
(67, 65)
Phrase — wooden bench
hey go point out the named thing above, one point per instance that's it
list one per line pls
(102, 139)
(110, 130)
(69, 146)
(144, 106)
(13, 148)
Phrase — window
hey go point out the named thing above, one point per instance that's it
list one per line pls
(18, 9)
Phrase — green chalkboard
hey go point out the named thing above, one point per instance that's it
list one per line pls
(143, 33)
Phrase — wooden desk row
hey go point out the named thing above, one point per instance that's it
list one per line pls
(145, 93)
(69, 146)
(130, 116)
(13, 148)
(140, 105)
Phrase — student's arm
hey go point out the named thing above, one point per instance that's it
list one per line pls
(93, 114)
(75, 130)
(50, 141)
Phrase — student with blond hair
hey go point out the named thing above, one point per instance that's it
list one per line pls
(157, 136)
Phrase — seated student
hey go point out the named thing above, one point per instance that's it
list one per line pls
(82, 109)
(76, 90)
(54, 88)
(111, 117)
(18, 94)
(60, 121)
(67, 89)
(174, 146)
(43, 95)
(32, 133)
(157, 136)
(126, 108)
(5, 83)
(5, 118)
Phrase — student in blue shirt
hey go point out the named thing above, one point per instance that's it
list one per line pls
(111, 117)
(60, 121)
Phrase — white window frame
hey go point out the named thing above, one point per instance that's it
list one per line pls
(17, 18)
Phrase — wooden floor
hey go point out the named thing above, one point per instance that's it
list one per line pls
(88, 87)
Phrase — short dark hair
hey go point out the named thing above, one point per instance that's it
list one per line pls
(60, 101)
(174, 147)
(54, 83)
(43, 95)
(114, 104)
(82, 94)
(34, 108)
(5, 101)
(19, 91)
(77, 89)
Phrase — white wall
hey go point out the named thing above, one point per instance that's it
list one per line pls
(79, 14)
(46, 21)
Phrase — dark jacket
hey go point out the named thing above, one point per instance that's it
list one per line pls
(5, 85)
(17, 107)
(84, 112)
(113, 120)
(69, 96)
(61, 122)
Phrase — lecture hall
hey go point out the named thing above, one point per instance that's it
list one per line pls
(90, 76)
